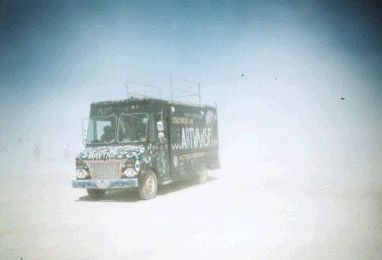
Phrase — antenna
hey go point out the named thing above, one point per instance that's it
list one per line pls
(144, 89)
(189, 92)
(199, 95)
(127, 89)
(171, 91)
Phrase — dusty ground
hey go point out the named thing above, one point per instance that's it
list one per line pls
(256, 216)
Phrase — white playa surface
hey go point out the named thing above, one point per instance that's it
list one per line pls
(260, 215)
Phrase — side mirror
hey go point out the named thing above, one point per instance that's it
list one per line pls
(84, 135)
(85, 122)
(160, 127)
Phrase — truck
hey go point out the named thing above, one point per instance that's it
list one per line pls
(145, 143)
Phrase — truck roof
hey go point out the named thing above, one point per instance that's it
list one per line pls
(133, 99)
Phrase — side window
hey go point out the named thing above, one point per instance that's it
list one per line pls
(152, 128)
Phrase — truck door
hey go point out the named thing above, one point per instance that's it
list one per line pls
(158, 137)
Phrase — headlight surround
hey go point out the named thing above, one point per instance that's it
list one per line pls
(130, 172)
(80, 164)
(82, 174)
(137, 165)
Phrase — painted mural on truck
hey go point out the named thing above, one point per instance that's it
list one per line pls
(195, 131)
(194, 138)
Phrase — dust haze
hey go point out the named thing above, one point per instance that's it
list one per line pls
(298, 92)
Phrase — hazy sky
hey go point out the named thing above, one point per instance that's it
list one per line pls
(297, 59)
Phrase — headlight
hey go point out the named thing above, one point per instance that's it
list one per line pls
(81, 174)
(137, 165)
(130, 172)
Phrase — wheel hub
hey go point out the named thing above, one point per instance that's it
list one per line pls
(150, 185)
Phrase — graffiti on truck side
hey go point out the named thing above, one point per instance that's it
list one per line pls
(193, 138)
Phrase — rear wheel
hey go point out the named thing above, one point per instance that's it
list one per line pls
(148, 185)
(96, 194)
(202, 175)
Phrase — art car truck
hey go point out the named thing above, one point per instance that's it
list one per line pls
(144, 143)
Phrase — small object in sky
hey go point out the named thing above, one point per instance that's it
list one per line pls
(242, 75)
(342, 98)
(275, 78)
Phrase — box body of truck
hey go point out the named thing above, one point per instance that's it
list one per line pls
(143, 143)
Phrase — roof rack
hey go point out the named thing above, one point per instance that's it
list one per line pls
(147, 99)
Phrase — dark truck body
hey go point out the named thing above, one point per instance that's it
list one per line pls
(180, 142)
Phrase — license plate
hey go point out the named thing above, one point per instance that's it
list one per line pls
(103, 184)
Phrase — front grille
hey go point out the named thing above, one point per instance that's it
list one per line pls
(105, 170)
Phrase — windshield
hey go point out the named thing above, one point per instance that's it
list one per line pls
(132, 128)
(101, 130)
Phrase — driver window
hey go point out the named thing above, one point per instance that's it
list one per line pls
(102, 128)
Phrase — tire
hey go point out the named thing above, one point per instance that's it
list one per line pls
(96, 194)
(202, 175)
(148, 185)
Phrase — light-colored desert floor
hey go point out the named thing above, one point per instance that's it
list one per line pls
(256, 216)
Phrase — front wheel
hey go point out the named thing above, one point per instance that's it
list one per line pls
(148, 186)
(96, 194)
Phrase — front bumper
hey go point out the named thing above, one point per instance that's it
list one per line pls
(105, 184)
